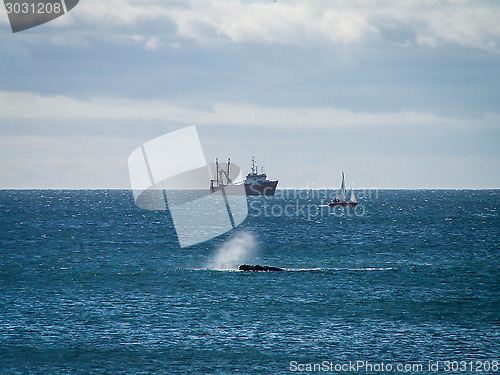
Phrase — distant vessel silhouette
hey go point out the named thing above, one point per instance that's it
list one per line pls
(341, 198)
(255, 183)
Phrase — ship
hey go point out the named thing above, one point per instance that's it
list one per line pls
(255, 183)
(341, 197)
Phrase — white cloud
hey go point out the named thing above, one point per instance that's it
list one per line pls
(431, 23)
(153, 44)
(23, 106)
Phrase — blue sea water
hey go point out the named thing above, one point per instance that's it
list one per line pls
(91, 284)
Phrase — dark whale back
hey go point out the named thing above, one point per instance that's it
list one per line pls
(248, 267)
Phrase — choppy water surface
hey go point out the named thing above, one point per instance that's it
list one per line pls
(89, 283)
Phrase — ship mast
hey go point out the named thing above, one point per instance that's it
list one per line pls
(217, 170)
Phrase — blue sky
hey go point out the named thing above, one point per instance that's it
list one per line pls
(395, 94)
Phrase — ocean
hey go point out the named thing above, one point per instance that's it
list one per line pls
(408, 281)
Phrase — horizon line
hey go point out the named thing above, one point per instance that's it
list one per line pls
(291, 188)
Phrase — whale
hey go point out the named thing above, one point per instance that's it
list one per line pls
(248, 267)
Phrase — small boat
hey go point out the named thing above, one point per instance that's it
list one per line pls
(341, 198)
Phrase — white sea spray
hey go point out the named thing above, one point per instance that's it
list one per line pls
(239, 249)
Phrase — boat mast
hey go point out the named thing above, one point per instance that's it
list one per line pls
(217, 170)
(343, 187)
(343, 196)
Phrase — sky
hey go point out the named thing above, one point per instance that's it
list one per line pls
(396, 94)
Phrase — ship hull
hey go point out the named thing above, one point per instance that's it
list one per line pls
(343, 204)
(238, 189)
(255, 188)
(261, 188)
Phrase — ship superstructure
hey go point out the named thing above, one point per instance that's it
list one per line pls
(257, 183)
